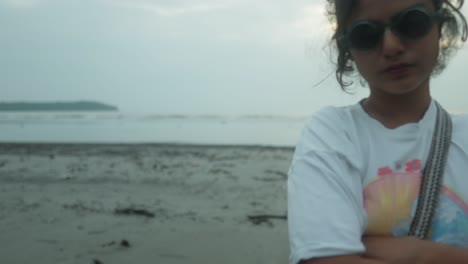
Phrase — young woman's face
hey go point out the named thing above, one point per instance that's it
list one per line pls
(396, 65)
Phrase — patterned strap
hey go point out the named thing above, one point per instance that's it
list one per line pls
(433, 174)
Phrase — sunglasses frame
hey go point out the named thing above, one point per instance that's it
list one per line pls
(393, 25)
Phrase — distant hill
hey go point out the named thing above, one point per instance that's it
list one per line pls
(56, 106)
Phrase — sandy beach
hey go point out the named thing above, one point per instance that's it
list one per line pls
(166, 204)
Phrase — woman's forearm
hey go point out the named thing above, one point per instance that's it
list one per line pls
(431, 253)
(441, 254)
(411, 250)
(344, 260)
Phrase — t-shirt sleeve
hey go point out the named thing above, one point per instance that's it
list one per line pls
(325, 205)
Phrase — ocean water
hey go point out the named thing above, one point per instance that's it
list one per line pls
(115, 127)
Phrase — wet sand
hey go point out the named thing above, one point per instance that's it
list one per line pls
(165, 204)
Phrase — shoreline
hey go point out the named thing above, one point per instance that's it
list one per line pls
(153, 144)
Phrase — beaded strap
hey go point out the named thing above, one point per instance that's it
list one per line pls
(433, 174)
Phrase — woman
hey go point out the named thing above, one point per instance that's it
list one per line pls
(357, 170)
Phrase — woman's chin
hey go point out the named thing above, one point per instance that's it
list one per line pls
(404, 86)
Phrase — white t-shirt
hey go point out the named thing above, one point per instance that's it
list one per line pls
(351, 176)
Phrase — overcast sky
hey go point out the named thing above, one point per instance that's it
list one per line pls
(181, 56)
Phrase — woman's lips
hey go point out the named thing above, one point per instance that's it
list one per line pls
(398, 70)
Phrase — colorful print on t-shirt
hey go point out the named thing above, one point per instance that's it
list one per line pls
(391, 199)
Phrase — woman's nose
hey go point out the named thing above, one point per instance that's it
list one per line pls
(391, 44)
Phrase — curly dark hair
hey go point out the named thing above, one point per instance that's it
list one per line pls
(453, 28)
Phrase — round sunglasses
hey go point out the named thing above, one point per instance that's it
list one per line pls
(413, 23)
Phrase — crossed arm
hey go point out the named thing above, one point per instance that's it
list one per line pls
(405, 250)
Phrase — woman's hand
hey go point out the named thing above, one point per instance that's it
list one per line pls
(402, 250)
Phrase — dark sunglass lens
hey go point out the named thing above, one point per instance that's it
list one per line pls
(414, 24)
(365, 36)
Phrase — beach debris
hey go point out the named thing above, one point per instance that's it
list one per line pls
(265, 219)
(97, 261)
(109, 244)
(79, 206)
(125, 243)
(133, 211)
